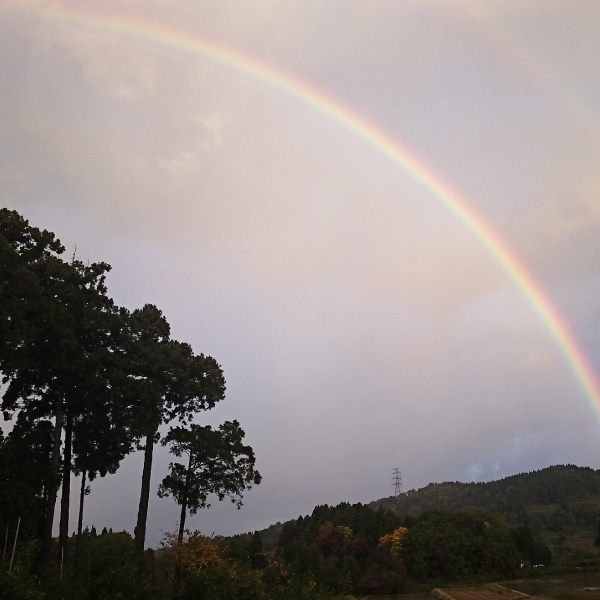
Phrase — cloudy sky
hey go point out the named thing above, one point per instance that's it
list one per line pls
(360, 324)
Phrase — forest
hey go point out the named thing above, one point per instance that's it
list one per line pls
(559, 504)
(86, 382)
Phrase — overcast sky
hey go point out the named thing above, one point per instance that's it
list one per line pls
(360, 326)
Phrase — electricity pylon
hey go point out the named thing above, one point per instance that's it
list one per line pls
(397, 482)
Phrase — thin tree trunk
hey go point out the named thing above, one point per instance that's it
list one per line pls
(52, 488)
(79, 520)
(182, 523)
(184, 502)
(140, 529)
(12, 557)
(63, 535)
(5, 544)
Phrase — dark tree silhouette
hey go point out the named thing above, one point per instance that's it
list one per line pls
(51, 327)
(218, 463)
(169, 383)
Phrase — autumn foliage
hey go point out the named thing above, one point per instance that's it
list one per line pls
(394, 541)
(196, 552)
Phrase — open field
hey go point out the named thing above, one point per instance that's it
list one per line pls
(478, 592)
(412, 596)
(575, 587)
(566, 587)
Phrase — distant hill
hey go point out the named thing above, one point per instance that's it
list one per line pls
(511, 495)
(445, 531)
(559, 503)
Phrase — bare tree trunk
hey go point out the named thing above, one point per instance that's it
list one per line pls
(5, 544)
(12, 556)
(52, 487)
(79, 521)
(140, 529)
(184, 502)
(63, 534)
(182, 523)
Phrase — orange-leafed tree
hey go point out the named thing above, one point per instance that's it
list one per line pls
(394, 540)
(190, 554)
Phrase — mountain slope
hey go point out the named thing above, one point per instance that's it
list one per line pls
(560, 503)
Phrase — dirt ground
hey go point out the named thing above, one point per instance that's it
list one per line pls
(551, 588)
(573, 587)
(480, 592)
(567, 587)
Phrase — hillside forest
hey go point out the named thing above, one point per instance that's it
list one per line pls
(86, 382)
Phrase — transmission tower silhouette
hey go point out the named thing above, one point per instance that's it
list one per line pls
(397, 482)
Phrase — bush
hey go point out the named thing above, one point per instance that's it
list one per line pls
(224, 581)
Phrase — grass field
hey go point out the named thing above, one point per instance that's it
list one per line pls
(585, 586)
(574, 587)
(414, 596)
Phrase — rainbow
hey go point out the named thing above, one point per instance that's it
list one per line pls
(137, 28)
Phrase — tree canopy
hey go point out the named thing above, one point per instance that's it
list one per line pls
(86, 382)
(218, 463)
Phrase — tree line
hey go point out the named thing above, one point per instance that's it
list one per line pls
(510, 495)
(352, 549)
(85, 383)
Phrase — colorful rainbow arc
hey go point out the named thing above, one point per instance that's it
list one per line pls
(136, 28)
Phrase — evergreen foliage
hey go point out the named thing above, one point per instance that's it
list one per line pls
(560, 504)
(510, 495)
(218, 464)
(459, 546)
(85, 383)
